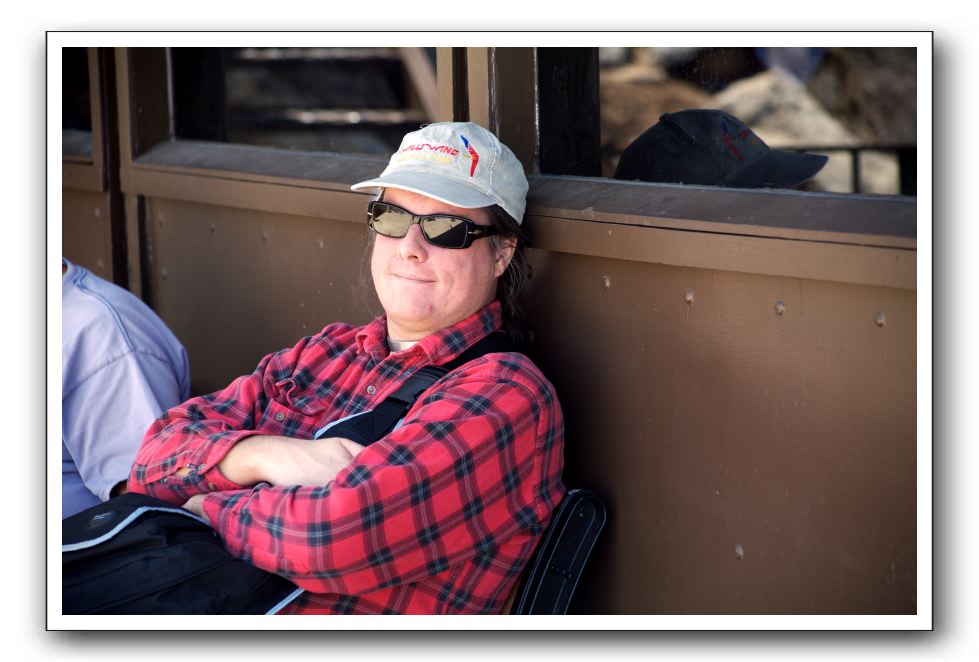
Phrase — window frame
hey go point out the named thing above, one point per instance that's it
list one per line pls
(836, 237)
(85, 169)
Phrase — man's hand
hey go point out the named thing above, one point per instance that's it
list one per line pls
(287, 461)
(282, 461)
(195, 505)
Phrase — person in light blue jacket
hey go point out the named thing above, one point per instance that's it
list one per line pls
(121, 367)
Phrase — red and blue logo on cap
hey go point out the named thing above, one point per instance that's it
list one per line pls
(746, 136)
(726, 137)
(472, 155)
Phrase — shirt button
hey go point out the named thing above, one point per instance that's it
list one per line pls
(280, 416)
(371, 390)
(211, 487)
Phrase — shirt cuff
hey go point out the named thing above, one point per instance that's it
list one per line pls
(205, 464)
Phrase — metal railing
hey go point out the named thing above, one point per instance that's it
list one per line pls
(907, 161)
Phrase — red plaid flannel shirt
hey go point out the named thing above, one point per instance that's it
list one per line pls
(440, 516)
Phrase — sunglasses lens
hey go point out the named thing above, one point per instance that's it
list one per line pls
(389, 221)
(445, 231)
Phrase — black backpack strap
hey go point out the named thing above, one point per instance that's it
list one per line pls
(369, 426)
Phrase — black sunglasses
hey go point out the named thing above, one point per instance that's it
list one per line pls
(440, 230)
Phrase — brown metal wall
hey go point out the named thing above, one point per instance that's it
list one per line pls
(753, 462)
(236, 284)
(706, 425)
(86, 237)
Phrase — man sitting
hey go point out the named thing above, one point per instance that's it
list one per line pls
(442, 513)
(120, 368)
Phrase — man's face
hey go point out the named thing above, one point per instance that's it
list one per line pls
(425, 288)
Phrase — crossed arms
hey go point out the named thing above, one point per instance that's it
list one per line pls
(475, 462)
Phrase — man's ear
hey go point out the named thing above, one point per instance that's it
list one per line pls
(503, 255)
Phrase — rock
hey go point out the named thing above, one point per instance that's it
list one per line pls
(872, 90)
(802, 62)
(670, 55)
(613, 56)
(711, 69)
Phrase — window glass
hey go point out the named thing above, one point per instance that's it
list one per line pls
(348, 100)
(854, 105)
(76, 108)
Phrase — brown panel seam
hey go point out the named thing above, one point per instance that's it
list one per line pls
(905, 244)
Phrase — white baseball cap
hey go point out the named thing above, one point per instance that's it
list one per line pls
(459, 163)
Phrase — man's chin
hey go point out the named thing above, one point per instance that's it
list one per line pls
(406, 322)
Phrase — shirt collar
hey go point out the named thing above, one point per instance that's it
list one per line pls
(441, 346)
(400, 345)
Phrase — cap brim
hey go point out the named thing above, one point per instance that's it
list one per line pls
(779, 169)
(440, 188)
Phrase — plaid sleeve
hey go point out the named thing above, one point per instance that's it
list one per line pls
(197, 434)
(471, 466)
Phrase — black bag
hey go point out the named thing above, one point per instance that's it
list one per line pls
(136, 554)
(553, 573)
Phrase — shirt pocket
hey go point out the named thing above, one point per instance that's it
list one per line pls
(291, 413)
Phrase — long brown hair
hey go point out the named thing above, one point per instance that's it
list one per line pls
(511, 286)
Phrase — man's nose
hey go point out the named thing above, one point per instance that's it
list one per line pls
(413, 245)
